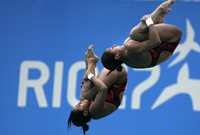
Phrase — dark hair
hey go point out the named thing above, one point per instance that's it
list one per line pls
(79, 119)
(108, 60)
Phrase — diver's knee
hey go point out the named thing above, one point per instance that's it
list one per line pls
(178, 32)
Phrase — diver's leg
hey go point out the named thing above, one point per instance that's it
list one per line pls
(91, 83)
(140, 31)
(170, 36)
(98, 86)
(159, 13)
(168, 33)
(91, 59)
(88, 90)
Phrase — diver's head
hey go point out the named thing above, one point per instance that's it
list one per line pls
(112, 57)
(80, 116)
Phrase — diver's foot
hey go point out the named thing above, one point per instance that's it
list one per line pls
(172, 1)
(90, 56)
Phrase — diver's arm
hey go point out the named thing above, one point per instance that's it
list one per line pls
(152, 42)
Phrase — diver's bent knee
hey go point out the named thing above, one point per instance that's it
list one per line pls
(177, 34)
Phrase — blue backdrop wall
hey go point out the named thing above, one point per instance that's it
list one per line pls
(42, 45)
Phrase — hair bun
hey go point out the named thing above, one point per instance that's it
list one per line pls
(85, 127)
